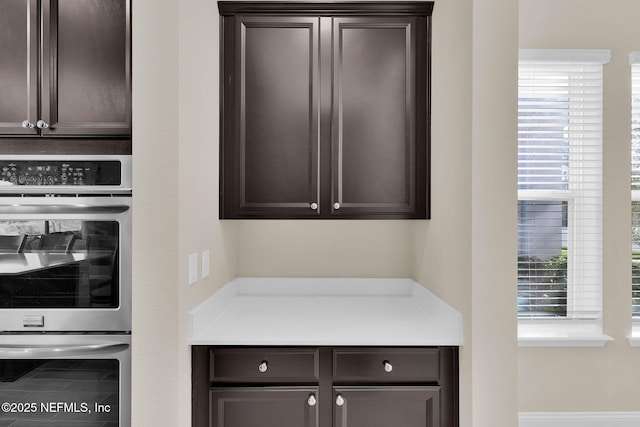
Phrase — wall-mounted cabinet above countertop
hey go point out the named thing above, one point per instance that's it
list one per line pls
(66, 73)
(325, 110)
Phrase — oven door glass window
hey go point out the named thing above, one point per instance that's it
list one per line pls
(59, 392)
(59, 264)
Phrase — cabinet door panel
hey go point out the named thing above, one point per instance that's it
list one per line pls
(276, 170)
(18, 66)
(374, 141)
(86, 58)
(263, 407)
(387, 407)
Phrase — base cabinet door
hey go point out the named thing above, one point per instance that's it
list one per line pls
(264, 407)
(387, 406)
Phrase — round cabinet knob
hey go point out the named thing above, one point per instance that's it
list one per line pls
(336, 206)
(311, 401)
(41, 124)
(263, 367)
(339, 400)
(27, 124)
(314, 206)
(388, 367)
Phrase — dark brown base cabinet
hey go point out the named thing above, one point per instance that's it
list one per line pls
(325, 110)
(325, 387)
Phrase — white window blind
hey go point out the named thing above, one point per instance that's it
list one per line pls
(634, 61)
(560, 184)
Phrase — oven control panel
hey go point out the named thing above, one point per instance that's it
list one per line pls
(54, 173)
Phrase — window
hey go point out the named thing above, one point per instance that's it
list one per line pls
(560, 186)
(634, 61)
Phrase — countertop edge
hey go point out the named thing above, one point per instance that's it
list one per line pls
(222, 319)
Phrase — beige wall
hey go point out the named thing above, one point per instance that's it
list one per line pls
(155, 214)
(325, 248)
(600, 379)
(455, 254)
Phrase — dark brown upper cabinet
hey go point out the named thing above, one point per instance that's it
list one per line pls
(325, 110)
(65, 68)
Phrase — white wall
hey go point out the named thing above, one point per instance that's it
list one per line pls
(600, 379)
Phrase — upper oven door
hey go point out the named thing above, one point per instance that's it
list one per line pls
(65, 263)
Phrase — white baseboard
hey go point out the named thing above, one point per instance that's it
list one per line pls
(579, 419)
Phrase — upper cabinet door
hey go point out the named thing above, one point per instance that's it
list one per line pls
(270, 136)
(86, 81)
(376, 155)
(18, 67)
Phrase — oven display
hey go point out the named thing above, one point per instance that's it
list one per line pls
(47, 173)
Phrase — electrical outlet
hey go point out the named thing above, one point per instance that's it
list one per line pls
(193, 268)
(205, 263)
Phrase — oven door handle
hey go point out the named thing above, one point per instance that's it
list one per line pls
(18, 209)
(25, 352)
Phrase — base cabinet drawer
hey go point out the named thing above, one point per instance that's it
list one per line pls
(260, 365)
(387, 406)
(405, 365)
(264, 407)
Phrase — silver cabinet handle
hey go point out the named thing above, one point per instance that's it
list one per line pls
(388, 367)
(313, 206)
(339, 400)
(27, 124)
(263, 367)
(336, 206)
(311, 401)
(41, 124)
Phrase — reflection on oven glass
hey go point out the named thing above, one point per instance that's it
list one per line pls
(60, 393)
(59, 264)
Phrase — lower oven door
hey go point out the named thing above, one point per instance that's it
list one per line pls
(71, 267)
(65, 380)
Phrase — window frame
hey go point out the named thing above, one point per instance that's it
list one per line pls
(576, 328)
(634, 62)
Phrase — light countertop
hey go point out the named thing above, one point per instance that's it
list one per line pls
(324, 311)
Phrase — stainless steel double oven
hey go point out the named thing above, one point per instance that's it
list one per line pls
(65, 291)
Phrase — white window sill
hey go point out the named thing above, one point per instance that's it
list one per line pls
(562, 334)
(634, 338)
